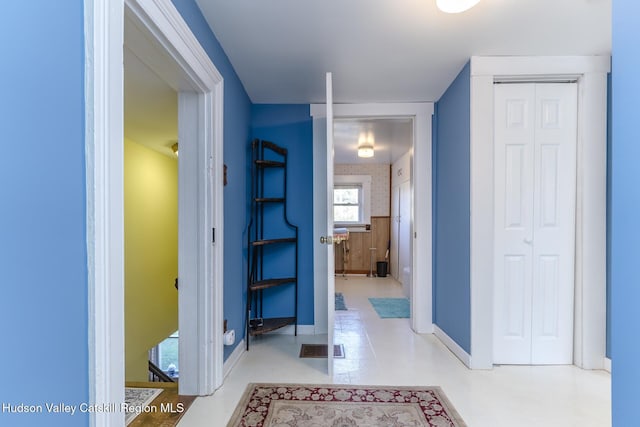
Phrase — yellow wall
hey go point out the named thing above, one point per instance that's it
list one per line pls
(151, 253)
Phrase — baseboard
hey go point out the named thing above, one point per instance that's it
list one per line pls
(452, 346)
(352, 274)
(233, 359)
(302, 330)
(607, 364)
(428, 329)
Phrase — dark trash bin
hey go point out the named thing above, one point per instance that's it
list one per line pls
(382, 268)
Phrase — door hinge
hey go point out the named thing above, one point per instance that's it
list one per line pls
(213, 235)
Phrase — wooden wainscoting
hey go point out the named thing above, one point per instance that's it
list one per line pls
(357, 257)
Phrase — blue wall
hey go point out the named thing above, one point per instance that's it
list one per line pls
(237, 111)
(290, 126)
(625, 205)
(43, 307)
(451, 192)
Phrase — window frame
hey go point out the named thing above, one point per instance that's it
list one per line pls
(364, 183)
(358, 203)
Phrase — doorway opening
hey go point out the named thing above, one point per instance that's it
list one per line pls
(150, 215)
(420, 246)
(166, 43)
(372, 203)
(420, 315)
(367, 195)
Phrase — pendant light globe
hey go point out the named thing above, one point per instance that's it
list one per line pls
(455, 6)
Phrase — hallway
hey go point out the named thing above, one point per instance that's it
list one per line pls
(386, 352)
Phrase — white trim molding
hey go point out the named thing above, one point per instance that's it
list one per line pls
(538, 67)
(421, 224)
(302, 330)
(591, 75)
(234, 358)
(169, 48)
(452, 346)
(104, 148)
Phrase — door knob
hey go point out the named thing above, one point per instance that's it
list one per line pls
(326, 240)
(528, 241)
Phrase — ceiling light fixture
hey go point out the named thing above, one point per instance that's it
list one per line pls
(365, 151)
(365, 145)
(455, 6)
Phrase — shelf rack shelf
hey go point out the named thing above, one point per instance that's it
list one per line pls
(265, 235)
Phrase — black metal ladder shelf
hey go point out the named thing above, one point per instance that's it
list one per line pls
(269, 191)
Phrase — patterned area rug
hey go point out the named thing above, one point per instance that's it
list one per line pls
(306, 405)
(139, 398)
(388, 308)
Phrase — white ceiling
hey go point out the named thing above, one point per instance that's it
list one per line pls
(150, 107)
(378, 51)
(392, 137)
(386, 50)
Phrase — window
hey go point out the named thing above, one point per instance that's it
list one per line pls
(165, 355)
(351, 205)
(347, 204)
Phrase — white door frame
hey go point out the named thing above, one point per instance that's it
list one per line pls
(328, 211)
(200, 110)
(590, 275)
(421, 224)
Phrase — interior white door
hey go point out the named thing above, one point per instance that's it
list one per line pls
(404, 236)
(330, 250)
(514, 121)
(554, 210)
(535, 178)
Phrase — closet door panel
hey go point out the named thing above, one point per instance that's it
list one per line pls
(535, 194)
(554, 223)
(513, 224)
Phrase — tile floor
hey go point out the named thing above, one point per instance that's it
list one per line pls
(386, 352)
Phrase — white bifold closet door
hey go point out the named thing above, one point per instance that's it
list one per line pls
(394, 252)
(535, 197)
